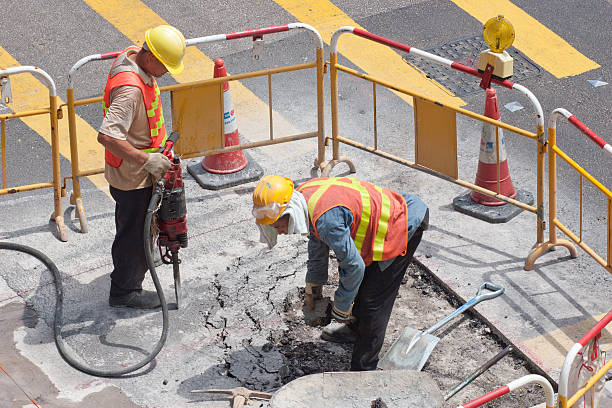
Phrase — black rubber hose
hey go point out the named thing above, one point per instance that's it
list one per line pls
(58, 318)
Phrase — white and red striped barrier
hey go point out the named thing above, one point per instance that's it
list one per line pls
(578, 348)
(255, 33)
(513, 386)
(439, 60)
(552, 124)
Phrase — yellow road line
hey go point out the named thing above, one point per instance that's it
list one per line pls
(29, 93)
(534, 39)
(377, 60)
(133, 18)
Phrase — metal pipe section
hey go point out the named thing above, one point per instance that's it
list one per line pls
(515, 385)
(257, 32)
(28, 187)
(477, 373)
(584, 129)
(251, 145)
(538, 379)
(46, 78)
(24, 114)
(89, 58)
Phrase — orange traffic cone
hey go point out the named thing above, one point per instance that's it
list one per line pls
(231, 162)
(486, 176)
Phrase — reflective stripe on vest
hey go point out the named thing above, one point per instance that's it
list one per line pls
(153, 107)
(378, 241)
(365, 203)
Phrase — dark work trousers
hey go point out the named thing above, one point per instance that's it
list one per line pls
(373, 305)
(130, 264)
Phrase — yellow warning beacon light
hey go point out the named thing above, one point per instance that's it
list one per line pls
(498, 33)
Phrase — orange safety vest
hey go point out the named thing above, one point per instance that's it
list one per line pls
(153, 106)
(380, 216)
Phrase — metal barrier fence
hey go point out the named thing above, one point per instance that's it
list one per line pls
(318, 65)
(513, 386)
(555, 223)
(432, 107)
(584, 357)
(584, 354)
(52, 111)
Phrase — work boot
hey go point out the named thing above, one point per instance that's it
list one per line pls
(339, 333)
(140, 299)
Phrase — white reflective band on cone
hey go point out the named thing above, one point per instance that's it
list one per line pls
(229, 116)
(488, 150)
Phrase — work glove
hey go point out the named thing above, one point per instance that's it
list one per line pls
(314, 292)
(157, 164)
(343, 317)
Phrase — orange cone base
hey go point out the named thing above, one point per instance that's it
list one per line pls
(225, 163)
(486, 177)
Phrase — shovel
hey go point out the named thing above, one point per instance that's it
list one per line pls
(412, 349)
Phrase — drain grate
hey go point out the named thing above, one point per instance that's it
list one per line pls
(466, 52)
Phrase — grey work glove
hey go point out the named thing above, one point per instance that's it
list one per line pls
(314, 292)
(157, 164)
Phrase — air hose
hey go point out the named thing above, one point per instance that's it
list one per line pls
(58, 317)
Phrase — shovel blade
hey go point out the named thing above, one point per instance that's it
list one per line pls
(397, 358)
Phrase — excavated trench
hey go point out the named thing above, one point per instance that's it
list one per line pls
(266, 342)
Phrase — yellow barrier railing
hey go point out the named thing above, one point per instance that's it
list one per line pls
(554, 222)
(585, 352)
(318, 65)
(52, 111)
(538, 136)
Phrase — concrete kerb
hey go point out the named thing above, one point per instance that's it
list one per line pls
(517, 349)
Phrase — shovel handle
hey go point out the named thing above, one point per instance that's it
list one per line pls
(496, 290)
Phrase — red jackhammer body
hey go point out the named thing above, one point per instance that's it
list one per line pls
(172, 214)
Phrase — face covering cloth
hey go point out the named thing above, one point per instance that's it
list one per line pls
(298, 220)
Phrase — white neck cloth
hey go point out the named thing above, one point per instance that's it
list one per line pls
(298, 220)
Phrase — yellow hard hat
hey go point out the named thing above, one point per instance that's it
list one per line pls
(270, 198)
(168, 45)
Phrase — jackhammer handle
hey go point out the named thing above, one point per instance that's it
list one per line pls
(170, 141)
(239, 401)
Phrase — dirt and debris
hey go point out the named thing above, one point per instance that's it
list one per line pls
(465, 344)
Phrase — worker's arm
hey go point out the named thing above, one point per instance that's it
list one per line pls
(122, 149)
(116, 126)
(418, 213)
(334, 228)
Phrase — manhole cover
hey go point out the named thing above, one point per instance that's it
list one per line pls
(466, 52)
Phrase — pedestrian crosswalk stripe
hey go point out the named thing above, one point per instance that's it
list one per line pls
(377, 60)
(533, 38)
(133, 18)
(30, 93)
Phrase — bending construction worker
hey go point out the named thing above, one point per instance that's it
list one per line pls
(372, 230)
(132, 132)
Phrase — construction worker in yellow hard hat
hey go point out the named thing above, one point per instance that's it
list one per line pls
(372, 230)
(132, 132)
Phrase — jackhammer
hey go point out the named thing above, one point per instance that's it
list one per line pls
(171, 215)
(168, 203)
